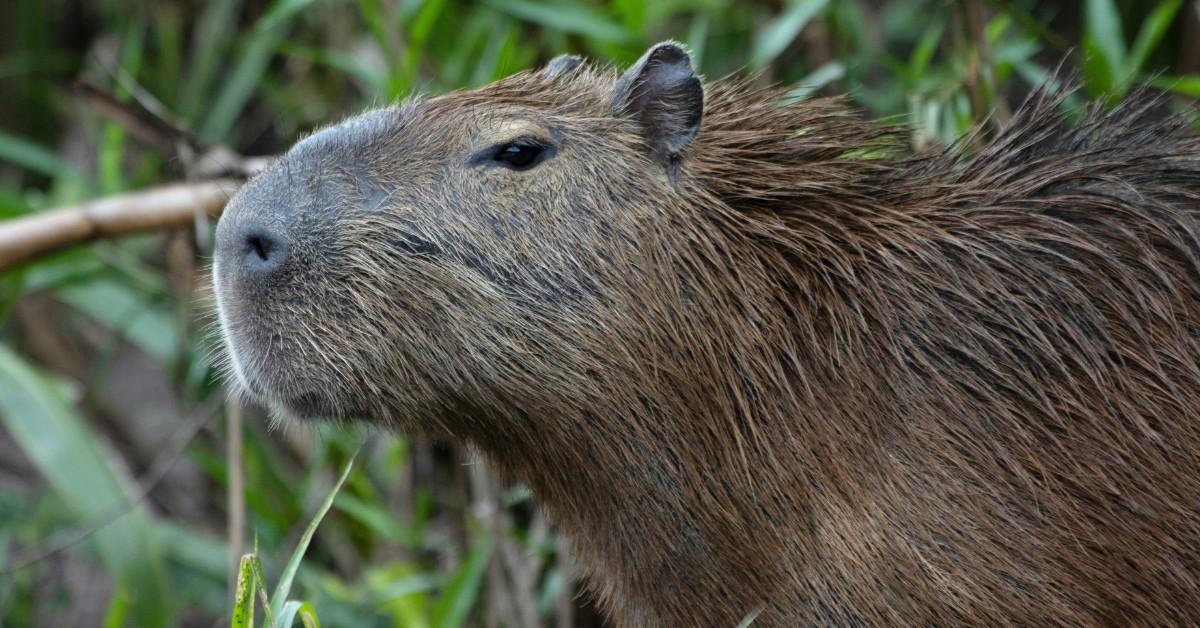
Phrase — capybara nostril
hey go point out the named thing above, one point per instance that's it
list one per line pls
(263, 251)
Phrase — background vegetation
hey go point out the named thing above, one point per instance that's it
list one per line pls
(124, 475)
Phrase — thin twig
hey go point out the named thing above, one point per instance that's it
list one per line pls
(145, 111)
(147, 126)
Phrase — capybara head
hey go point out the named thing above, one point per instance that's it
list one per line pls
(420, 260)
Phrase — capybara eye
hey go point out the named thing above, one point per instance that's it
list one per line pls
(520, 155)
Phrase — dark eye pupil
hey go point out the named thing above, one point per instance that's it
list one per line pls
(519, 155)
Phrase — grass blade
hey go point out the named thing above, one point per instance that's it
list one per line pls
(289, 573)
(127, 312)
(1151, 33)
(243, 605)
(567, 18)
(697, 39)
(36, 412)
(210, 38)
(281, 12)
(1186, 85)
(1104, 45)
(926, 47)
(252, 63)
(32, 156)
(820, 77)
(454, 605)
(307, 614)
(782, 31)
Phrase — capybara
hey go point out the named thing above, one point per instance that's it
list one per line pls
(753, 357)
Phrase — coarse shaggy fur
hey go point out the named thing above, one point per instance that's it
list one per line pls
(794, 371)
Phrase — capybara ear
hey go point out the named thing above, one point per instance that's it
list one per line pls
(562, 64)
(662, 93)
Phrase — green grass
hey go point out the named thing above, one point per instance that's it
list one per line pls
(280, 611)
(103, 349)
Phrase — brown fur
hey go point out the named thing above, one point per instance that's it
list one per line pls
(795, 372)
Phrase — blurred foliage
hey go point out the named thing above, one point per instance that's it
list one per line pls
(104, 349)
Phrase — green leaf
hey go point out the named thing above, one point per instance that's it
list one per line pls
(210, 37)
(374, 15)
(36, 412)
(1150, 35)
(419, 23)
(243, 81)
(403, 589)
(780, 33)
(1103, 23)
(252, 62)
(463, 588)
(488, 64)
(375, 516)
(632, 12)
(820, 77)
(117, 614)
(199, 552)
(289, 573)
(345, 63)
(925, 49)
(421, 26)
(697, 39)
(280, 14)
(1014, 51)
(308, 615)
(1186, 85)
(243, 602)
(1104, 45)
(12, 204)
(35, 157)
(126, 311)
(111, 152)
(569, 18)
(260, 583)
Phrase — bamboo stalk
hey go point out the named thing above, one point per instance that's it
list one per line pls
(170, 206)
